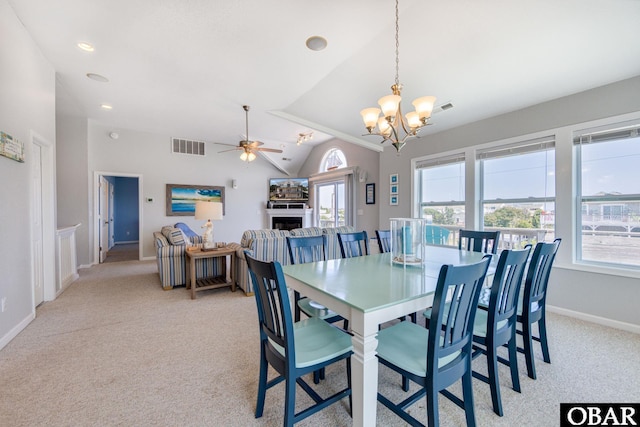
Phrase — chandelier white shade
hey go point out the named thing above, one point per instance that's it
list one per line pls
(392, 126)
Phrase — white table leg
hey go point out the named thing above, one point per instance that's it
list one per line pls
(364, 379)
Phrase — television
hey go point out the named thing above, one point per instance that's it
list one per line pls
(289, 189)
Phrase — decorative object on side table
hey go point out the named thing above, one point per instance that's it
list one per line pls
(209, 211)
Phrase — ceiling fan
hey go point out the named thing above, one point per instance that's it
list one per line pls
(247, 146)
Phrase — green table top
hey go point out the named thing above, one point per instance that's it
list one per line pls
(372, 282)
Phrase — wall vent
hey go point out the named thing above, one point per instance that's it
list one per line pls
(187, 146)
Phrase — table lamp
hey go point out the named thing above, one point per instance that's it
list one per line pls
(209, 211)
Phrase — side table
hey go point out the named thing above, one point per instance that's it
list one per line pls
(204, 283)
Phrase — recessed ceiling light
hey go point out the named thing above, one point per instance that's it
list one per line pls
(316, 43)
(97, 77)
(88, 47)
(106, 106)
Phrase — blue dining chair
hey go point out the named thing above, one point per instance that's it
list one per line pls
(384, 240)
(310, 249)
(353, 244)
(479, 241)
(533, 308)
(495, 327)
(293, 349)
(437, 357)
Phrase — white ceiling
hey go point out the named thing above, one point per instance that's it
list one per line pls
(185, 67)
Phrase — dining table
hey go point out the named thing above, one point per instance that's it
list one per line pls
(369, 291)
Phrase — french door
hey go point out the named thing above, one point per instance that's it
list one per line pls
(330, 202)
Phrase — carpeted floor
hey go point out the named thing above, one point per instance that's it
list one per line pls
(116, 350)
(123, 252)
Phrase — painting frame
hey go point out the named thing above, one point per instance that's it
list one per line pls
(370, 194)
(180, 199)
(394, 189)
(393, 178)
(393, 200)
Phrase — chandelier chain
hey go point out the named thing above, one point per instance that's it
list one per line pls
(397, 48)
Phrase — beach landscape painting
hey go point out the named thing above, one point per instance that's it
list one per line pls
(181, 199)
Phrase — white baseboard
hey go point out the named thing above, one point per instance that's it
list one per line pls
(149, 258)
(16, 330)
(125, 242)
(629, 327)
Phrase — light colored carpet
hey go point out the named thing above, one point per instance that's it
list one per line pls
(116, 350)
(123, 252)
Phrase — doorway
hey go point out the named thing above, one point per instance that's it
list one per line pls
(42, 219)
(118, 212)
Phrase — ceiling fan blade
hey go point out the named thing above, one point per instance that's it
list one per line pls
(255, 144)
(232, 149)
(270, 150)
(223, 143)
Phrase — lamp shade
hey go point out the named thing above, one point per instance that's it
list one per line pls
(208, 210)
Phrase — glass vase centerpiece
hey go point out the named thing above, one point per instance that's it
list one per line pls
(408, 241)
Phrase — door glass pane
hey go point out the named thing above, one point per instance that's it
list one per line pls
(331, 202)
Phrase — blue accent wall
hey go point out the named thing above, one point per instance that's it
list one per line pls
(125, 212)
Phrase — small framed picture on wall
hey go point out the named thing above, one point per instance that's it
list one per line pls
(393, 200)
(393, 178)
(394, 189)
(371, 194)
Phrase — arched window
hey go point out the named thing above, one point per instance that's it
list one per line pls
(333, 159)
(333, 190)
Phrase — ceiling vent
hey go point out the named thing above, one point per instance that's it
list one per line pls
(187, 146)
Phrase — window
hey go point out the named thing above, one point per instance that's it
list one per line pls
(608, 195)
(440, 190)
(517, 192)
(333, 191)
(333, 159)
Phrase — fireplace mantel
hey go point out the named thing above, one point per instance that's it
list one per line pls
(305, 216)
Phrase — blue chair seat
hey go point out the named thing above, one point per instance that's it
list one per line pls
(405, 345)
(316, 341)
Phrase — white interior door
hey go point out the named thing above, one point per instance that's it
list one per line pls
(103, 219)
(36, 218)
(111, 222)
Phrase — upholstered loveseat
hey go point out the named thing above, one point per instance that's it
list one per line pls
(171, 244)
(271, 245)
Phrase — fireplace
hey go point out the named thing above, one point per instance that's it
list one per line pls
(288, 219)
(286, 222)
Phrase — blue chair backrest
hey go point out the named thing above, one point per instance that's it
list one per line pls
(274, 311)
(535, 285)
(451, 325)
(353, 244)
(306, 249)
(505, 289)
(479, 241)
(384, 240)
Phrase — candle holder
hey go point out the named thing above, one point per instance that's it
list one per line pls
(407, 241)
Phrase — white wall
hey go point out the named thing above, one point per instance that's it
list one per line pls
(72, 178)
(150, 155)
(27, 104)
(600, 293)
(367, 161)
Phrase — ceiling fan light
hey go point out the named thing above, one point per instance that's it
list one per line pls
(424, 106)
(243, 156)
(251, 157)
(389, 105)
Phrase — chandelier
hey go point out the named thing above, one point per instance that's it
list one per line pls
(392, 126)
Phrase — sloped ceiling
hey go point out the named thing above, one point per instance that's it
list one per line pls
(185, 68)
